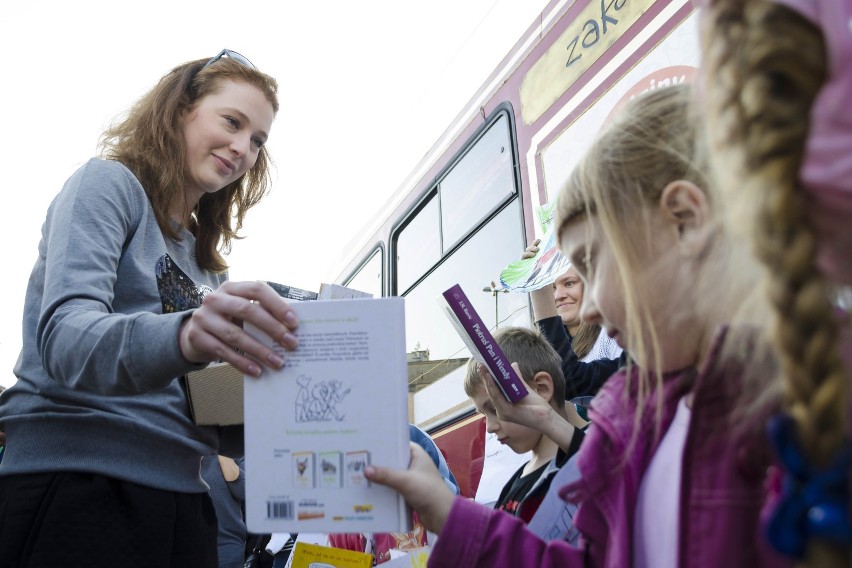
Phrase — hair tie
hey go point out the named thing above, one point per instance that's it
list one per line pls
(813, 503)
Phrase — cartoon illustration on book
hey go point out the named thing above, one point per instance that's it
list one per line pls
(320, 402)
(345, 389)
(303, 469)
(356, 463)
(303, 398)
(331, 469)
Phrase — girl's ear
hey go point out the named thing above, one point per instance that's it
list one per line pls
(543, 384)
(685, 205)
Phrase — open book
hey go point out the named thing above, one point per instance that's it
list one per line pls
(339, 404)
(481, 343)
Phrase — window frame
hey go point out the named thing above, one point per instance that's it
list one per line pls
(378, 249)
(432, 191)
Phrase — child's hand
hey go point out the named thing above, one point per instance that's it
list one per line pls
(421, 485)
(531, 411)
(531, 250)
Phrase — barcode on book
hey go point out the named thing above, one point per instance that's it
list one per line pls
(279, 510)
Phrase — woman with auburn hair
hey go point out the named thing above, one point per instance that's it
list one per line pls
(129, 293)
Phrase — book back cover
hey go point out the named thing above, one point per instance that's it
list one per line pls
(339, 404)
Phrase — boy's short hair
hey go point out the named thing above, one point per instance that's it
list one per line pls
(533, 354)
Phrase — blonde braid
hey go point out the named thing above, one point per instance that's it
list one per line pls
(769, 63)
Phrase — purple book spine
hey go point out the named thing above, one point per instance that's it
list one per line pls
(481, 339)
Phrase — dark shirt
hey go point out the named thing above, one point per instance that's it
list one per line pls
(516, 489)
(581, 379)
(522, 494)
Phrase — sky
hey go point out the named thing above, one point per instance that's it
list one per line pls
(365, 88)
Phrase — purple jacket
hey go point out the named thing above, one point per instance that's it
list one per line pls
(722, 494)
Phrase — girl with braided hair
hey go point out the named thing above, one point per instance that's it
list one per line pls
(777, 88)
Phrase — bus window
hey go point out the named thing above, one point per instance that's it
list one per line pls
(368, 278)
(480, 181)
(418, 246)
(462, 215)
(473, 265)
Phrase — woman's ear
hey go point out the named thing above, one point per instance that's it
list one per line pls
(685, 206)
(185, 112)
(543, 384)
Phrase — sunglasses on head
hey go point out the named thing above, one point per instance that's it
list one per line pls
(229, 54)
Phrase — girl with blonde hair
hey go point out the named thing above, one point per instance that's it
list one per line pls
(668, 478)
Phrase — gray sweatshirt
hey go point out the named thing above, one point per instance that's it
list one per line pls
(99, 386)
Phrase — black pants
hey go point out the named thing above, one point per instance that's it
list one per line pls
(80, 519)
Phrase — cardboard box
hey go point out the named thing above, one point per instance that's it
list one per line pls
(216, 395)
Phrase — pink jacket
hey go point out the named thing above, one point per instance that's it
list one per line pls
(722, 495)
